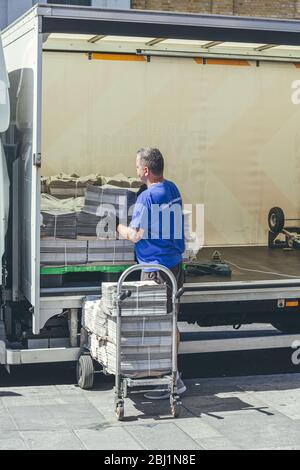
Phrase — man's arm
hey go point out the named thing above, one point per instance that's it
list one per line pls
(129, 233)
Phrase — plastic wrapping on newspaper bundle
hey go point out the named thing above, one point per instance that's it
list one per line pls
(90, 219)
(59, 216)
(65, 186)
(146, 329)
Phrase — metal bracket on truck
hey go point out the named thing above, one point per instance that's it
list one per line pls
(37, 159)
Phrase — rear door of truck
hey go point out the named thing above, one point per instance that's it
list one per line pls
(4, 181)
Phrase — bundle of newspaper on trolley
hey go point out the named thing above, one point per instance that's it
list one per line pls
(146, 329)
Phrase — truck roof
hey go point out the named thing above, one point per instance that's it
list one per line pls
(89, 20)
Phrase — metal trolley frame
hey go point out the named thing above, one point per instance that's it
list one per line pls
(85, 367)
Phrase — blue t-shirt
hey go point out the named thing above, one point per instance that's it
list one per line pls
(158, 210)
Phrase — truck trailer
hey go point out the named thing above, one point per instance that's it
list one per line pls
(218, 95)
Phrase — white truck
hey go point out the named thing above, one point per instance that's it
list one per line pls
(88, 87)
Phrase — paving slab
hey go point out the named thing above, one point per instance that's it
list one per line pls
(55, 417)
(6, 421)
(225, 413)
(270, 382)
(31, 391)
(197, 429)
(286, 402)
(257, 430)
(217, 443)
(13, 444)
(163, 436)
(108, 438)
(49, 440)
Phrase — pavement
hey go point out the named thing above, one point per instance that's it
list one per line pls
(259, 412)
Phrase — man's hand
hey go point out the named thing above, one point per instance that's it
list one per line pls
(129, 233)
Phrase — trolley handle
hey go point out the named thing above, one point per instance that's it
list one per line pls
(140, 267)
(124, 295)
(180, 292)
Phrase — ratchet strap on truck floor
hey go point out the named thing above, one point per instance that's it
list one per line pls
(215, 266)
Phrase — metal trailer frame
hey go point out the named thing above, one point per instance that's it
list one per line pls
(47, 19)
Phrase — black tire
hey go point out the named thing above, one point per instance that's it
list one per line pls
(287, 325)
(85, 372)
(276, 220)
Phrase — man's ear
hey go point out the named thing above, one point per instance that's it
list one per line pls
(147, 172)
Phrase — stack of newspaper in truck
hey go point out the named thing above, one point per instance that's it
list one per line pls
(146, 329)
(82, 230)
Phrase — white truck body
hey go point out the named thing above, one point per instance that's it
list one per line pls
(88, 87)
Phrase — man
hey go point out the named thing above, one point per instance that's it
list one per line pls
(157, 230)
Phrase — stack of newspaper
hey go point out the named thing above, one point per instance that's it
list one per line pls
(88, 224)
(63, 252)
(103, 250)
(146, 296)
(58, 216)
(101, 200)
(65, 186)
(103, 204)
(49, 203)
(78, 209)
(58, 224)
(146, 336)
(122, 181)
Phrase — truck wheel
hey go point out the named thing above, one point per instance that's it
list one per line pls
(85, 372)
(276, 220)
(287, 325)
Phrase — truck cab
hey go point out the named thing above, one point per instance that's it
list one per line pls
(4, 180)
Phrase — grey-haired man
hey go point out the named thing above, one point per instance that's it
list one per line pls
(156, 243)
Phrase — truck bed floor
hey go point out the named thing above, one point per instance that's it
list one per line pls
(261, 262)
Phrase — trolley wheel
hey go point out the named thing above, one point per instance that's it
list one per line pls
(176, 408)
(276, 220)
(120, 411)
(85, 372)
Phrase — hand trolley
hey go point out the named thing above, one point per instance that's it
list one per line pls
(85, 368)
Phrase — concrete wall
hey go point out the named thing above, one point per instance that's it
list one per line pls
(266, 8)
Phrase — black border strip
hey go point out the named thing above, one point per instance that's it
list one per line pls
(171, 31)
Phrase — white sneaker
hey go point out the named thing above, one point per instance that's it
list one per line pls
(159, 394)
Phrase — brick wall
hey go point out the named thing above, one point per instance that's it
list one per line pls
(265, 8)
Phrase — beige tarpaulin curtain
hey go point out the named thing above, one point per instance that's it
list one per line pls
(229, 133)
